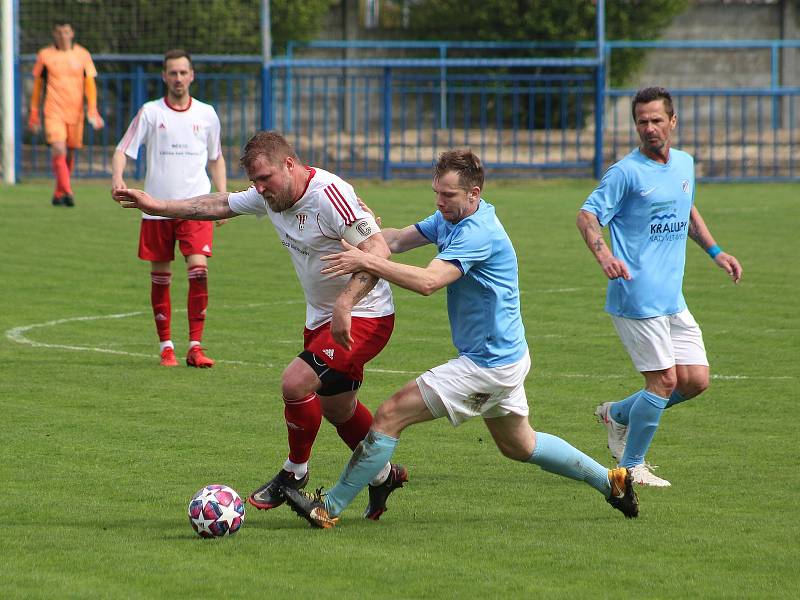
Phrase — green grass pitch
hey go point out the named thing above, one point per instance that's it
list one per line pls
(102, 448)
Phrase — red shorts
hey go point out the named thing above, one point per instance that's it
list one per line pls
(157, 238)
(369, 335)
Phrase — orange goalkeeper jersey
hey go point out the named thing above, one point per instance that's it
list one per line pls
(65, 71)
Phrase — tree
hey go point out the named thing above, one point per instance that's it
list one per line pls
(153, 26)
(545, 21)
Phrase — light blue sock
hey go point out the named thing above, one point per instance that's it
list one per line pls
(621, 410)
(557, 456)
(675, 398)
(369, 457)
(642, 425)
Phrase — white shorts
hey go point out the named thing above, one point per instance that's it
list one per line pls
(460, 389)
(659, 343)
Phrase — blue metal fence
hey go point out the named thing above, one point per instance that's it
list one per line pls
(389, 117)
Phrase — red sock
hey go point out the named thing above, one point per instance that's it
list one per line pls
(198, 301)
(303, 418)
(162, 307)
(356, 427)
(61, 172)
(71, 162)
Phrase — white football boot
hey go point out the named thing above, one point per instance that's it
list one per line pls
(642, 474)
(617, 434)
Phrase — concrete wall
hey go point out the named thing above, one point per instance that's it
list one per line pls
(718, 20)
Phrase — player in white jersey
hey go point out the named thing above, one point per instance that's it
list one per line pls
(182, 136)
(647, 201)
(349, 319)
(477, 264)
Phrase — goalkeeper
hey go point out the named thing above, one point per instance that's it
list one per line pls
(70, 74)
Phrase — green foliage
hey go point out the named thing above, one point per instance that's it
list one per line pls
(153, 26)
(545, 20)
(102, 448)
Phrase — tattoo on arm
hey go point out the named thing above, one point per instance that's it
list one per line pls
(366, 283)
(598, 242)
(196, 209)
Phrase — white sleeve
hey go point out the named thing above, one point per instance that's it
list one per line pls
(213, 144)
(361, 230)
(136, 135)
(339, 209)
(248, 202)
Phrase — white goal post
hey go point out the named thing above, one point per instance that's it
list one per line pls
(8, 96)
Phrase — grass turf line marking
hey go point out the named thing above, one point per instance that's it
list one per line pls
(17, 334)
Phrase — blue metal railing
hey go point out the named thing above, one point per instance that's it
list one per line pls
(389, 117)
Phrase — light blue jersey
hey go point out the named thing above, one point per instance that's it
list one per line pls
(646, 205)
(483, 304)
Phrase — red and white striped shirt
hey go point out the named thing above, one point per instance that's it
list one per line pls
(312, 228)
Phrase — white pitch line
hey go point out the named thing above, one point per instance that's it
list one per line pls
(17, 334)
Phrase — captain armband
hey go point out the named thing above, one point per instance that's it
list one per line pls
(360, 230)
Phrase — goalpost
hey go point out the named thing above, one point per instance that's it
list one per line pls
(8, 68)
(122, 36)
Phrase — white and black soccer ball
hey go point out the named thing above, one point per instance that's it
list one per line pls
(216, 511)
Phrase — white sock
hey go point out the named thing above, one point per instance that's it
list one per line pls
(167, 344)
(299, 469)
(193, 343)
(382, 475)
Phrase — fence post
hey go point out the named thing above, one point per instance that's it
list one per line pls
(139, 93)
(266, 65)
(387, 122)
(266, 98)
(288, 89)
(443, 87)
(599, 89)
(774, 83)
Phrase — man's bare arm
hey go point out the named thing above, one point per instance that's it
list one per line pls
(402, 240)
(362, 282)
(592, 233)
(208, 207)
(359, 285)
(423, 280)
(699, 232)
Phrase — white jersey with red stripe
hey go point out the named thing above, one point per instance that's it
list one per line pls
(312, 228)
(179, 145)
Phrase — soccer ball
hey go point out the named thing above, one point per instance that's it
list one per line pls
(215, 511)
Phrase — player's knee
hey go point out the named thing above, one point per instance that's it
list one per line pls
(385, 414)
(668, 381)
(294, 385)
(388, 418)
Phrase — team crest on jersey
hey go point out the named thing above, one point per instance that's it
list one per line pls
(162, 126)
(685, 186)
(301, 221)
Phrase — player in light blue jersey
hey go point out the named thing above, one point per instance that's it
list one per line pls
(478, 265)
(647, 201)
